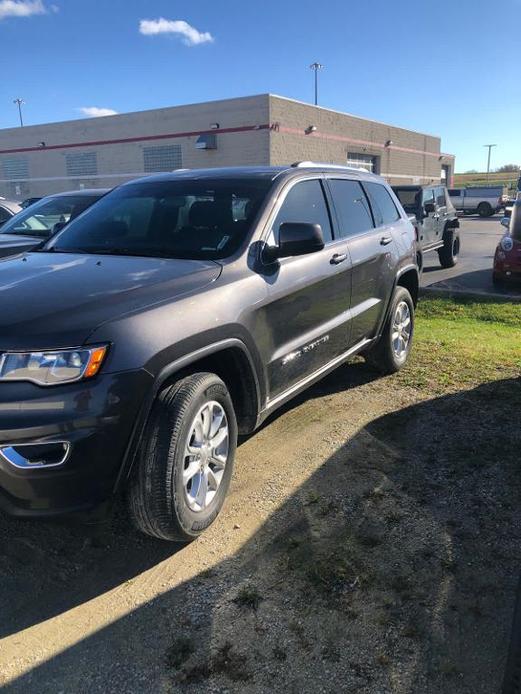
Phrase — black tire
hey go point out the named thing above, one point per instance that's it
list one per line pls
(382, 356)
(157, 499)
(449, 253)
(485, 209)
(497, 281)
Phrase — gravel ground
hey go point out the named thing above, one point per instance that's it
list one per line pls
(370, 543)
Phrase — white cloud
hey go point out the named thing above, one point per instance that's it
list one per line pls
(190, 35)
(96, 112)
(22, 8)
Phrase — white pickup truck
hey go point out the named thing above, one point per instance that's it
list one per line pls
(483, 201)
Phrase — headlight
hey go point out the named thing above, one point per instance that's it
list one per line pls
(507, 244)
(52, 367)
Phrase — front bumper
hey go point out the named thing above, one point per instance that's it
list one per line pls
(95, 417)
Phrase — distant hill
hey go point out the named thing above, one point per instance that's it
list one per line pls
(507, 180)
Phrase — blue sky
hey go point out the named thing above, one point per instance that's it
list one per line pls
(449, 68)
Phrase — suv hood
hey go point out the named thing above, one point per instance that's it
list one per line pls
(51, 300)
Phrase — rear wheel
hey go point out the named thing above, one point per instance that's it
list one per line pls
(185, 460)
(392, 350)
(449, 252)
(485, 209)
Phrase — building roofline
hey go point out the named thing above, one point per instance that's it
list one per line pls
(351, 115)
(267, 95)
(132, 113)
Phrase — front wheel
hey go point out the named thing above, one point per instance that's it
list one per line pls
(449, 252)
(185, 460)
(392, 350)
(498, 281)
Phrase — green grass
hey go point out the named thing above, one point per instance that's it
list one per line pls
(460, 343)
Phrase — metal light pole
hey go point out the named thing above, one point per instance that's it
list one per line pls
(316, 67)
(488, 161)
(20, 103)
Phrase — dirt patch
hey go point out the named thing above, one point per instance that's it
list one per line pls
(371, 543)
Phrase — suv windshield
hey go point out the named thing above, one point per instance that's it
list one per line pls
(409, 197)
(40, 219)
(199, 219)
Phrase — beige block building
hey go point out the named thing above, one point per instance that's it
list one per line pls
(259, 130)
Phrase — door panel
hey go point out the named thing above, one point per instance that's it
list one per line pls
(372, 279)
(305, 321)
(441, 207)
(430, 222)
(306, 317)
(373, 255)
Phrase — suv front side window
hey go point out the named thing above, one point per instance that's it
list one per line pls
(428, 196)
(440, 197)
(305, 202)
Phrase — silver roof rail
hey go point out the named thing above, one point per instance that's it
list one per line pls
(324, 165)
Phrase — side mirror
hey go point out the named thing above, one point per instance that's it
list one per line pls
(430, 208)
(505, 221)
(298, 238)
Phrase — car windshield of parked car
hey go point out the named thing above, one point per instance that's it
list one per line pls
(199, 219)
(40, 219)
(410, 199)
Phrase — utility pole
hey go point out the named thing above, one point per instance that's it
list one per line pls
(488, 161)
(316, 67)
(20, 103)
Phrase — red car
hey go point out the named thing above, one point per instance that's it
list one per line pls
(507, 259)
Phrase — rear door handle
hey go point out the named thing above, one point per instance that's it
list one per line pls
(338, 258)
(386, 240)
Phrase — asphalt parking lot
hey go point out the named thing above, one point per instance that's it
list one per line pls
(473, 273)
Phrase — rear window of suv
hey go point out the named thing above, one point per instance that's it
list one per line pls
(410, 198)
(384, 209)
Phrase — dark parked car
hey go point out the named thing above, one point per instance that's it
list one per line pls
(507, 258)
(8, 209)
(436, 221)
(181, 310)
(35, 224)
(28, 202)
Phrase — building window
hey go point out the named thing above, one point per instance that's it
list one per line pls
(165, 158)
(363, 161)
(83, 164)
(15, 168)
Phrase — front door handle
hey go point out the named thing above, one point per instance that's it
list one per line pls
(386, 240)
(338, 258)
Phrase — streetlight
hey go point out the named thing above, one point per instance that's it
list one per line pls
(488, 162)
(20, 103)
(316, 67)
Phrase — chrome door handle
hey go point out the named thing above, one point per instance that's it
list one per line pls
(338, 258)
(386, 240)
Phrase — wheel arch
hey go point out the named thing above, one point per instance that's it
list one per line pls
(409, 279)
(231, 361)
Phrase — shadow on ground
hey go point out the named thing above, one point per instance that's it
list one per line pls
(392, 569)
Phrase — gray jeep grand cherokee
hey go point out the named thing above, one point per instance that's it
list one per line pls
(180, 311)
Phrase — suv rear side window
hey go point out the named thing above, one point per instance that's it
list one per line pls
(305, 202)
(352, 208)
(384, 209)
